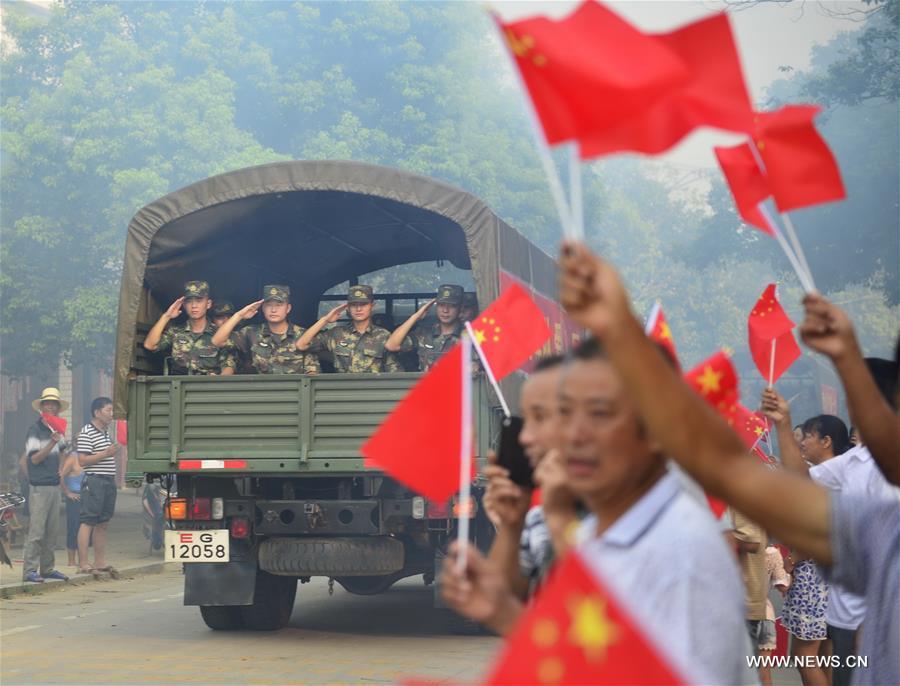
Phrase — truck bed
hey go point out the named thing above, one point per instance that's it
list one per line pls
(270, 424)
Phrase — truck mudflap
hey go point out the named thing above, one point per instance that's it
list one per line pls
(346, 556)
(219, 583)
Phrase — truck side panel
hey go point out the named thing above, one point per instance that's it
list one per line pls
(270, 424)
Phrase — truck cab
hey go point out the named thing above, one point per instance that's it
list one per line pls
(266, 483)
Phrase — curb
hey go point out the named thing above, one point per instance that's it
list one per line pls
(25, 588)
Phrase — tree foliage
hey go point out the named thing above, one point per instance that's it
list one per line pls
(107, 106)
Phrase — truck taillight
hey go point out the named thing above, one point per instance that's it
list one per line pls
(418, 507)
(218, 508)
(464, 508)
(437, 510)
(240, 527)
(176, 508)
(201, 508)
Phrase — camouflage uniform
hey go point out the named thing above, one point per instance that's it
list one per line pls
(356, 352)
(430, 344)
(271, 353)
(194, 353)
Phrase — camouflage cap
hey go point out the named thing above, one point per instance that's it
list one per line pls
(196, 289)
(223, 308)
(277, 292)
(449, 294)
(360, 294)
(470, 299)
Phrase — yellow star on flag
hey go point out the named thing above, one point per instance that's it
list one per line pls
(664, 331)
(591, 629)
(759, 431)
(710, 380)
(480, 338)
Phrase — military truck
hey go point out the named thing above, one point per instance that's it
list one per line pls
(266, 484)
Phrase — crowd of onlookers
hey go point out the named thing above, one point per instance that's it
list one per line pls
(624, 456)
(83, 473)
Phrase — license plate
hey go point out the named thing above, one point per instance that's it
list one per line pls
(197, 546)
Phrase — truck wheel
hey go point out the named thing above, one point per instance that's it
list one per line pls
(366, 585)
(222, 617)
(273, 602)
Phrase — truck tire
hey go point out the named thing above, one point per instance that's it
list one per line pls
(273, 603)
(360, 556)
(222, 617)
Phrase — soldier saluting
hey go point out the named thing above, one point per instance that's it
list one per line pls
(191, 344)
(430, 344)
(358, 346)
(271, 347)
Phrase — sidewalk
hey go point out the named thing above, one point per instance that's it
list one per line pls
(127, 550)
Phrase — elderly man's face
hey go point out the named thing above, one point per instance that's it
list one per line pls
(604, 447)
(50, 407)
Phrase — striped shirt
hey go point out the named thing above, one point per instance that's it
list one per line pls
(91, 441)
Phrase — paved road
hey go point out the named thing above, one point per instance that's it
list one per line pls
(136, 631)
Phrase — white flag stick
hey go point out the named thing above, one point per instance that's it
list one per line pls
(465, 457)
(772, 363)
(799, 257)
(575, 192)
(798, 249)
(487, 369)
(541, 146)
(805, 280)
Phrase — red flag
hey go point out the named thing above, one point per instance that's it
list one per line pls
(55, 423)
(714, 95)
(510, 330)
(419, 443)
(800, 167)
(715, 380)
(747, 184)
(750, 426)
(576, 632)
(122, 432)
(769, 332)
(717, 506)
(590, 70)
(657, 329)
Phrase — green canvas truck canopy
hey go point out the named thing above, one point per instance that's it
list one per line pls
(311, 225)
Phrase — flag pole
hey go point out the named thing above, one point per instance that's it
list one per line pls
(487, 369)
(779, 236)
(540, 145)
(772, 363)
(575, 191)
(465, 458)
(798, 249)
(796, 256)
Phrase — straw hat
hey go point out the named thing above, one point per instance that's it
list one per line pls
(50, 393)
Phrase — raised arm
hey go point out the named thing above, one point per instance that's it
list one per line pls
(333, 315)
(220, 337)
(777, 410)
(827, 329)
(791, 508)
(151, 342)
(395, 342)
